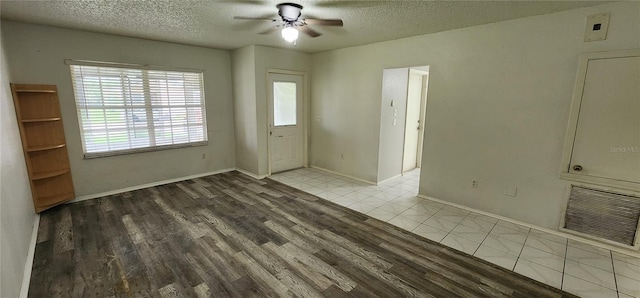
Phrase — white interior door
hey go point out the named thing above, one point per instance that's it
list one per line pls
(412, 124)
(607, 139)
(423, 115)
(285, 122)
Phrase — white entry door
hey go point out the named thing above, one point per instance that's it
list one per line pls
(286, 122)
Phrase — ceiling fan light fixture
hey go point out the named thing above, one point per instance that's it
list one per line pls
(291, 23)
(289, 34)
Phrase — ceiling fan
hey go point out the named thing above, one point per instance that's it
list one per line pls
(291, 23)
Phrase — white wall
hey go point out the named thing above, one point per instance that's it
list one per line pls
(250, 100)
(37, 56)
(244, 107)
(395, 83)
(272, 58)
(16, 207)
(345, 107)
(498, 107)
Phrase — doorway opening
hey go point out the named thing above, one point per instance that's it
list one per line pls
(402, 113)
(416, 105)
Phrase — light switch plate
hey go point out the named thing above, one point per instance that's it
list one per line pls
(597, 27)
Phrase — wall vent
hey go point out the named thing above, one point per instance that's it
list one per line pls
(603, 215)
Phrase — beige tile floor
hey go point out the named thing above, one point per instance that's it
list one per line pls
(573, 266)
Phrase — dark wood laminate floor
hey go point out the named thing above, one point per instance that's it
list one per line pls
(229, 235)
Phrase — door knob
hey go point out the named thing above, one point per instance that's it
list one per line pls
(577, 168)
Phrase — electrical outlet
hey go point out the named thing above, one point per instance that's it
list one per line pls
(511, 191)
(474, 183)
(204, 156)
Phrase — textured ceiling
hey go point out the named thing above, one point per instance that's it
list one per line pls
(211, 23)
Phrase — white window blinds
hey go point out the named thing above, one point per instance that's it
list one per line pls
(126, 110)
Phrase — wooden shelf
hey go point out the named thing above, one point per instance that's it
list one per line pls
(40, 134)
(44, 175)
(43, 148)
(41, 120)
(52, 201)
(44, 145)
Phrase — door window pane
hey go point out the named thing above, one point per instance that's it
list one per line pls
(284, 103)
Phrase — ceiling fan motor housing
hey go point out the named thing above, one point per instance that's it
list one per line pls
(290, 12)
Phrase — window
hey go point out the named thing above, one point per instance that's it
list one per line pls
(127, 110)
(284, 103)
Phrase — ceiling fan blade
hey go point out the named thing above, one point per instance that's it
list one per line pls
(348, 3)
(308, 31)
(324, 22)
(270, 30)
(254, 19)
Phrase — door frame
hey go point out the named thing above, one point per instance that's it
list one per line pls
(423, 118)
(305, 113)
(572, 126)
(423, 113)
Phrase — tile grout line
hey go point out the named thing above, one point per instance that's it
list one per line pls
(460, 223)
(591, 282)
(615, 279)
(449, 232)
(564, 264)
(521, 249)
(485, 236)
(494, 226)
(542, 265)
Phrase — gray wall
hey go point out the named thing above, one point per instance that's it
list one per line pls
(244, 108)
(499, 98)
(391, 146)
(16, 208)
(37, 56)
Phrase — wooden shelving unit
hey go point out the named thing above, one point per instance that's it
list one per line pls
(44, 144)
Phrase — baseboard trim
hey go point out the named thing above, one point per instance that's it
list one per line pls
(141, 186)
(389, 179)
(343, 175)
(547, 230)
(252, 175)
(28, 265)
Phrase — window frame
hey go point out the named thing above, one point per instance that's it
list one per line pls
(148, 107)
